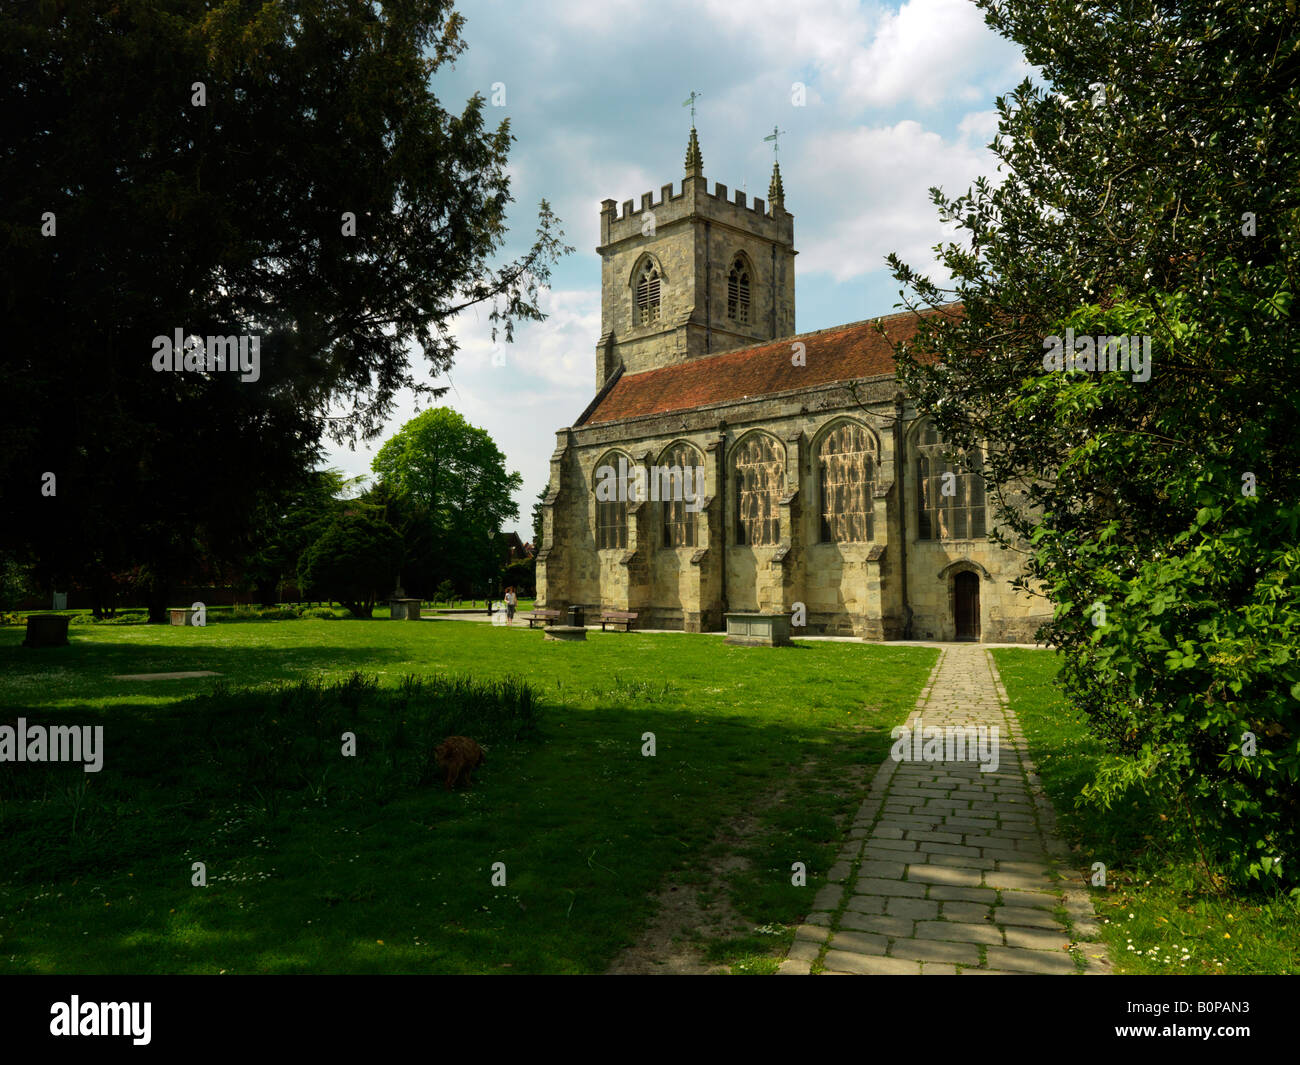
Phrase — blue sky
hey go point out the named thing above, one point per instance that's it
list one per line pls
(898, 99)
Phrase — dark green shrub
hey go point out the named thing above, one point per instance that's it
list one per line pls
(126, 617)
(354, 561)
(325, 613)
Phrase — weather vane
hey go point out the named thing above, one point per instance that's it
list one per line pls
(775, 138)
(690, 102)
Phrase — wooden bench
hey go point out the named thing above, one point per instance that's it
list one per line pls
(544, 616)
(617, 617)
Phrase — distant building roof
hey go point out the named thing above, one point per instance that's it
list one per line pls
(844, 353)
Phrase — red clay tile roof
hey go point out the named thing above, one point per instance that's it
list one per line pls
(844, 353)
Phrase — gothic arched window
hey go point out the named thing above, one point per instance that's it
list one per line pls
(611, 511)
(950, 499)
(738, 291)
(846, 472)
(759, 472)
(647, 294)
(681, 491)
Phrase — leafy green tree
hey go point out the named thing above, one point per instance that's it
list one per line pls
(354, 561)
(455, 477)
(277, 171)
(15, 582)
(1149, 191)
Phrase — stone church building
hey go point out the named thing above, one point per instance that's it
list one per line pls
(838, 502)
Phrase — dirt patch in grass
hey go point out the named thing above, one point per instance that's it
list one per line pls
(671, 944)
(689, 915)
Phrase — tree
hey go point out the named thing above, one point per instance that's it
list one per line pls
(538, 520)
(1149, 193)
(281, 173)
(521, 574)
(421, 563)
(15, 583)
(354, 560)
(454, 476)
(283, 529)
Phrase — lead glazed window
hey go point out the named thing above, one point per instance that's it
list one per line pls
(679, 519)
(846, 475)
(759, 465)
(958, 514)
(611, 515)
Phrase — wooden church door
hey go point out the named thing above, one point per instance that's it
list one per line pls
(966, 605)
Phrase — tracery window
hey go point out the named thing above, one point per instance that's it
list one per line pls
(950, 499)
(611, 512)
(846, 471)
(759, 472)
(677, 463)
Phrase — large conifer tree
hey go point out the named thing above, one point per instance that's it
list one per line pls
(279, 170)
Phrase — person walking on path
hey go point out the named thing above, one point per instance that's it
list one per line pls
(512, 601)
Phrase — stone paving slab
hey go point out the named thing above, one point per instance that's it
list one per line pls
(951, 870)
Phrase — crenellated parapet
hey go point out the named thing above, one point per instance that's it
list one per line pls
(693, 201)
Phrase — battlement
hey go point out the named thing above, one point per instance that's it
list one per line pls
(695, 199)
(649, 203)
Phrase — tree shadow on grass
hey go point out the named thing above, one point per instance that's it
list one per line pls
(586, 825)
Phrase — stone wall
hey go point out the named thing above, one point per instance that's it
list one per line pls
(846, 588)
(692, 237)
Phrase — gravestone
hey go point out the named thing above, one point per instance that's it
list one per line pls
(758, 630)
(565, 633)
(404, 609)
(47, 630)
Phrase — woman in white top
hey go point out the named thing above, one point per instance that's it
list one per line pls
(512, 601)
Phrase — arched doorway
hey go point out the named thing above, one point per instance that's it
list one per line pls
(966, 605)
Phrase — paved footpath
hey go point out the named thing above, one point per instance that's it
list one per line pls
(949, 870)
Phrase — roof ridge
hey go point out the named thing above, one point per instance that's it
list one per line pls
(851, 351)
(792, 337)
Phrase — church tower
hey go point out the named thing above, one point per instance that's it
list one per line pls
(693, 274)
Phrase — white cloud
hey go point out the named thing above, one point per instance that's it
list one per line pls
(927, 53)
(979, 127)
(559, 352)
(875, 182)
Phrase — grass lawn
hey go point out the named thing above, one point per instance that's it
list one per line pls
(1158, 914)
(336, 877)
(477, 604)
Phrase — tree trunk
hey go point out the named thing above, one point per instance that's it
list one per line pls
(159, 588)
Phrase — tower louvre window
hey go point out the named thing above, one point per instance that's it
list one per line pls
(738, 292)
(647, 295)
